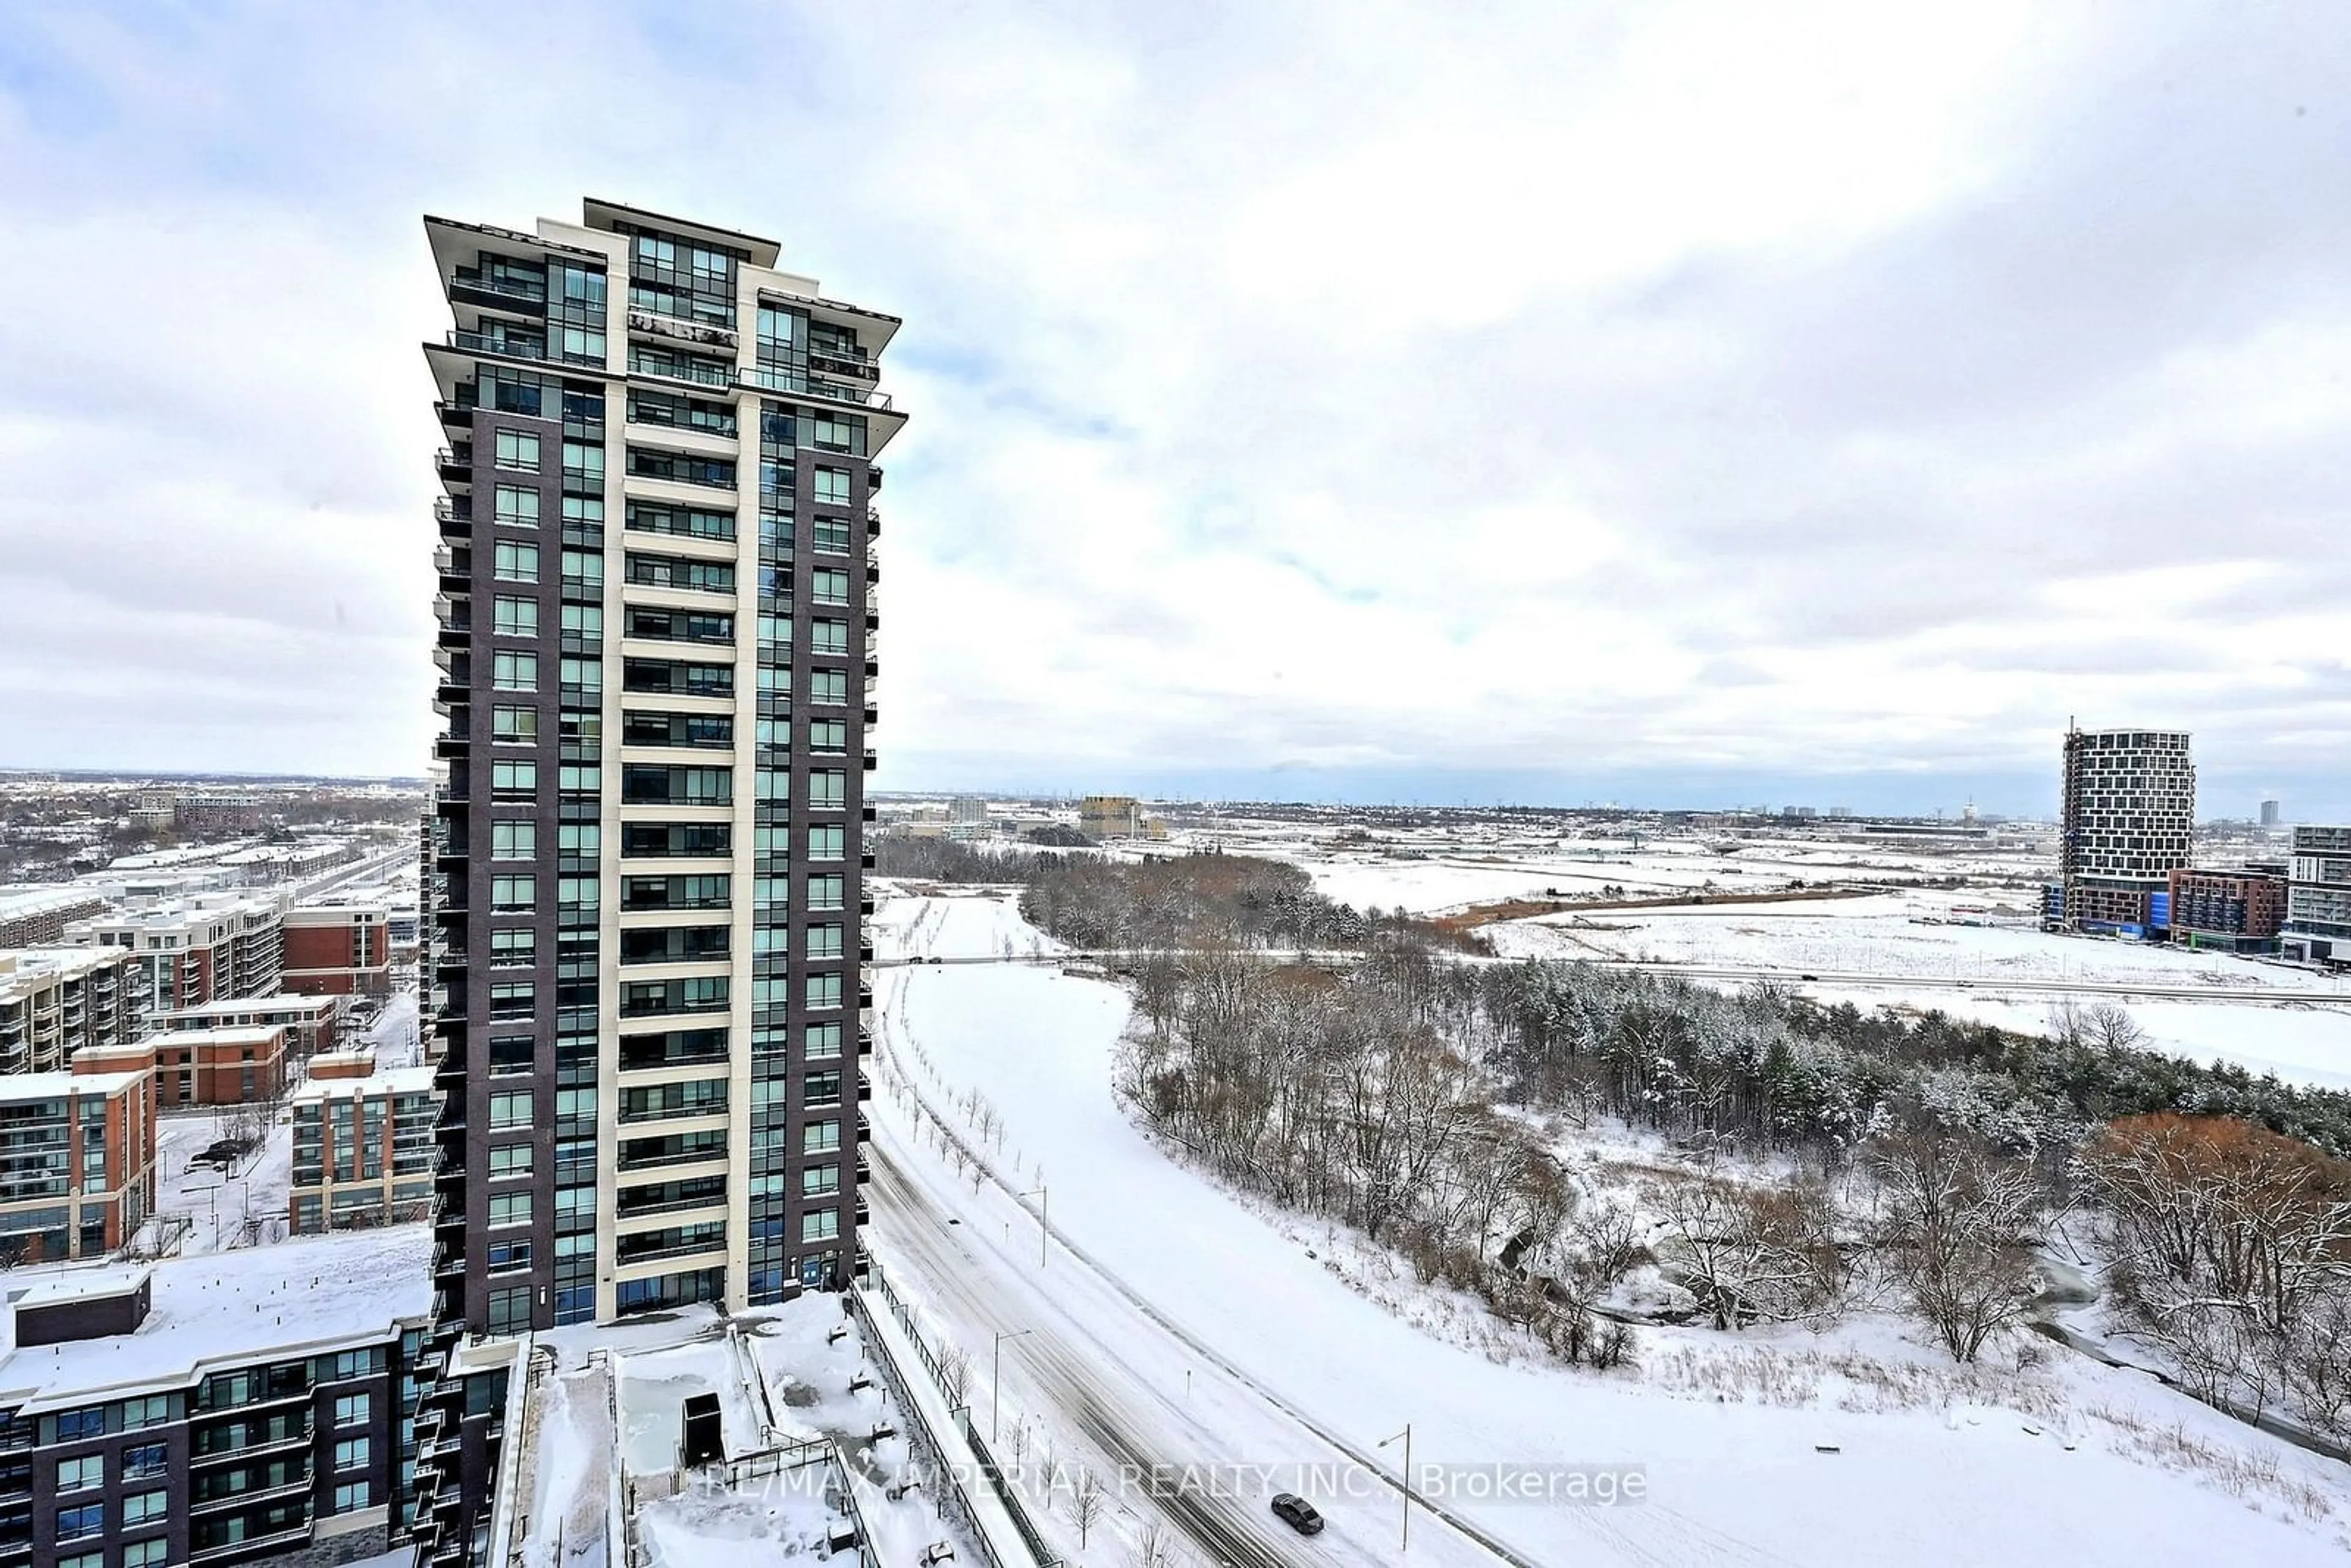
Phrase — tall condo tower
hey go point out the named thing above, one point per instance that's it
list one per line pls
(2129, 821)
(646, 895)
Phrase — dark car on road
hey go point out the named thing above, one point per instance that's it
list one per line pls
(1297, 1513)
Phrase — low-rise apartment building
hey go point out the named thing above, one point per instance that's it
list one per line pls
(363, 1146)
(55, 1001)
(337, 948)
(200, 949)
(312, 1024)
(215, 1410)
(38, 917)
(203, 1066)
(1102, 817)
(2236, 911)
(76, 1163)
(2317, 926)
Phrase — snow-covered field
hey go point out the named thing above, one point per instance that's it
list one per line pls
(1859, 1446)
(958, 922)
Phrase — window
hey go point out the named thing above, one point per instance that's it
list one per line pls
(826, 843)
(831, 535)
(513, 723)
(515, 563)
(141, 1507)
(79, 1523)
(509, 1208)
(821, 1137)
(826, 587)
(517, 451)
(515, 672)
(514, 780)
(151, 1411)
(353, 1453)
(145, 1554)
(510, 1309)
(513, 894)
(824, 942)
(511, 1109)
(819, 1181)
(513, 1000)
(828, 789)
(831, 486)
(829, 687)
(146, 1459)
(518, 508)
(823, 1041)
(821, 1225)
(513, 839)
(515, 617)
(825, 892)
(74, 1475)
(352, 1496)
(510, 1160)
(824, 636)
(824, 1088)
(353, 1409)
(828, 734)
(508, 1255)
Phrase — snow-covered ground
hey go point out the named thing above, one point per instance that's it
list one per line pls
(959, 922)
(2303, 1036)
(233, 1208)
(1860, 1445)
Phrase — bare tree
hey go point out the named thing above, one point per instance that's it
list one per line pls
(1153, 1549)
(1957, 1227)
(1087, 1503)
(955, 1371)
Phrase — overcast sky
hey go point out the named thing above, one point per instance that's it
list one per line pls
(1683, 404)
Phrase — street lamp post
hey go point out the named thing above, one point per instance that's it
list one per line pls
(1044, 1226)
(1405, 1543)
(996, 1378)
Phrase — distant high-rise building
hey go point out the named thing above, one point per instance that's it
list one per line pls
(2271, 815)
(2129, 821)
(644, 932)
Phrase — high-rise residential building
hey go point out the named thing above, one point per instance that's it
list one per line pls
(2317, 926)
(644, 916)
(2273, 815)
(2130, 822)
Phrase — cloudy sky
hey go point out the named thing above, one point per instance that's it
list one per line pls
(1674, 403)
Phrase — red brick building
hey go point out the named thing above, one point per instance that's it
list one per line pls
(2237, 910)
(337, 949)
(80, 1150)
(203, 1066)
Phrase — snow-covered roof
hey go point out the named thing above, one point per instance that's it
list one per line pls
(391, 1081)
(229, 1309)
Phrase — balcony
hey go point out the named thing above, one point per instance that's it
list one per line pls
(702, 334)
(455, 464)
(455, 515)
(497, 343)
(471, 286)
(873, 521)
(865, 1088)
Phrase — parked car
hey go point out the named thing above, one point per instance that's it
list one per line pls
(1297, 1513)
